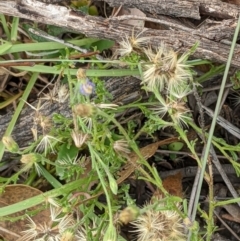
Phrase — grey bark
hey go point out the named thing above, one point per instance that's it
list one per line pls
(181, 8)
(209, 35)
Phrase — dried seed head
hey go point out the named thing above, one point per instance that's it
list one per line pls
(47, 143)
(83, 110)
(176, 109)
(121, 147)
(165, 69)
(179, 113)
(30, 158)
(10, 144)
(79, 138)
(45, 123)
(129, 44)
(55, 230)
(63, 93)
(160, 225)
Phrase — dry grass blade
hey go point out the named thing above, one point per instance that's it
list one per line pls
(224, 123)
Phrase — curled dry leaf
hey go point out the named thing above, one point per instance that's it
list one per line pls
(14, 194)
(172, 184)
(147, 152)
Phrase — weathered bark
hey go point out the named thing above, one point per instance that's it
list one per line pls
(208, 36)
(187, 9)
(181, 8)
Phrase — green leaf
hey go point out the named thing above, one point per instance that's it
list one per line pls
(14, 29)
(55, 31)
(93, 11)
(5, 47)
(103, 44)
(33, 36)
(172, 156)
(65, 153)
(175, 146)
(84, 9)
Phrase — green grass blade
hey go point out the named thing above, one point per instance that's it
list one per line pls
(18, 110)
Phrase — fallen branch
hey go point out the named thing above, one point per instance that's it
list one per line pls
(209, 36)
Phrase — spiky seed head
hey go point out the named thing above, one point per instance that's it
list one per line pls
(63, 93)
(46, 144)
(10, 144)
(121, 147)
(45, 123)
(129, 44)
(79, 138)
(176, 109)
(160, 225)
(165, 69)
(179, 113)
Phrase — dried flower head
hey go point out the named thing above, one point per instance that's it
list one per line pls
(79, 138)
(165, 69)
(59, 93)
(47, 143)
(176, 109)
(129, 44)
(235, 98)
(179, 113)
(159, 225)
(63, 93)
(45, 123)
(52, 230)
(121, 147)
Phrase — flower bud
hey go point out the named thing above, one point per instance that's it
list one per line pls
(81, 74)
(30, 158)
(128, 214)
(10, 144)
(87, 87)
(83, 110)
(67, 236)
